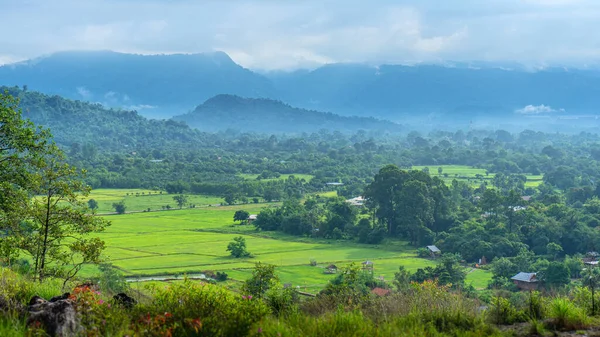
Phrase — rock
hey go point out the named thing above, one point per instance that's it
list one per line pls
(124, 300)
(64, 296)
(8, 305)
(57, 318)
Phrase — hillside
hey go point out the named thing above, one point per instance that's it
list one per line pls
(155, 85)
(224, 112)
(86, 123)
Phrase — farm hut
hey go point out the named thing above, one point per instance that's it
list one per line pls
(368, 265)
(356, 202)
(526, 197)
(331, 269)
(251, 218)
(434, 251)
(591, 259)
(525, 281)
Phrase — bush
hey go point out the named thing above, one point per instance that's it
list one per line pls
(221, 276)
(566, 316)
(204, 310)
(423, 252)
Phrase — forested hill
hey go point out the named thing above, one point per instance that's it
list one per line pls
(155, 85)
(76, 122)
(224, 112)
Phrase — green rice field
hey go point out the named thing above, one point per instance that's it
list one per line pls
(140, 199)
(475, 176)
(190, 241)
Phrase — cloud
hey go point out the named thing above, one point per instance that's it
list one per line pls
(290, 34)
(537, 110)
(84, 93)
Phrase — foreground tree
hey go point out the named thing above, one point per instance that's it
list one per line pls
(591, 278)
(60, 226)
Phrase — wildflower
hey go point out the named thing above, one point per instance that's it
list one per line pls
(101, 302)
(168, 315)
(259, 330)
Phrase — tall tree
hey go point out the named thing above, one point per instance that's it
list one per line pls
(181, 200)
(60, 238)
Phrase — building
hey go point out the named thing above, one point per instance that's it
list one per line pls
(357, 202)
(331, 269)
(368, 265)
(434, 251)
(525, 281)
(251, 217)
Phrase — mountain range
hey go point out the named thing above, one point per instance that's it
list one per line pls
(169, 85)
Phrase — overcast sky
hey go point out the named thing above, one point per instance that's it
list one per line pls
(288, 34)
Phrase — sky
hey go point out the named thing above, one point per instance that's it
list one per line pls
(290, 34)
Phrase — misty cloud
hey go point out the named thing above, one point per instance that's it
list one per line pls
(537, 109)
(292, 34)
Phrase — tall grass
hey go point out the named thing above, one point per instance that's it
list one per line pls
(565, 315)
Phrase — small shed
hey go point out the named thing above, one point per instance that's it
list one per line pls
(434, 251)
(252, 217)
(525, 281)
(331, 269)
(368, 265)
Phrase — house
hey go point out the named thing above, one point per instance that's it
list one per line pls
(434, 251)
(526, 197)
(357, 202)
(334, 184)
(525, 281)
(591, 259)
(380, 292)
(251, 217)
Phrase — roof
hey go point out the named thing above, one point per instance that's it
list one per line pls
(252, 217)
(434, 249)
(591, 263)
(526, 197)
(380, 291)
(525, 277)
(367, 262)
(332, 266)
(334, 184)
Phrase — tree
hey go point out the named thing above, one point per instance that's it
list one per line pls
(402, 279)
(181, 200)
(591, 279)
(60, 225)
(120, 207)
(556, 275)
(263, 278)
(237, 247)
(553, 249)
(241, 216)
(92, 204)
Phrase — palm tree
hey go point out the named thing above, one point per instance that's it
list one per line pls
(591, 279)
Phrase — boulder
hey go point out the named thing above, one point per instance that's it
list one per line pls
(124, 300)
(57, 317)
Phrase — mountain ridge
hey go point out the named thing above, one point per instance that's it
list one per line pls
(223, 112)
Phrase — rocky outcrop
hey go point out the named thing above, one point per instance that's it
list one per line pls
(57, 316)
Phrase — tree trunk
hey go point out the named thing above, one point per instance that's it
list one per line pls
(45, 242)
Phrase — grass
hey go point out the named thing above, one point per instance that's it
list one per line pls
(474, 176)
(251, 176)
(139, 199)
(193, 240)
(478, 278)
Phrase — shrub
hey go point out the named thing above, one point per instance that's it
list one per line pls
(566, 316)
(205, 310)
(313, 262)
(238, 247)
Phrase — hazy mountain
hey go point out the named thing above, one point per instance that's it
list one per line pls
(224, 112)
(456, 92)
(155, 85)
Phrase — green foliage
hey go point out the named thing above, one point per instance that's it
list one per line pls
(241, 216)
(120, 207)
(565, 315)
(204, 310)
(237, 247)
(181, 200)
(111, 280)
(263, 278)
(556, 275)
(92, 204)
